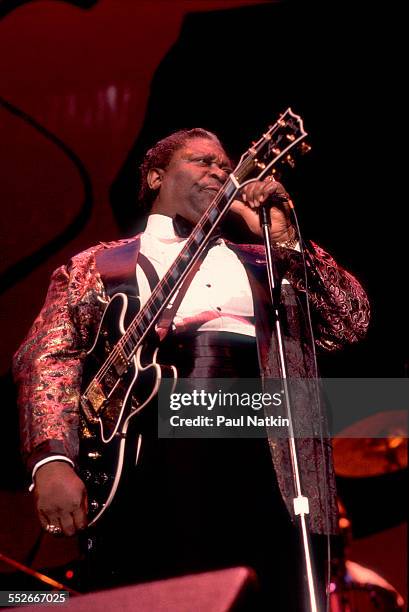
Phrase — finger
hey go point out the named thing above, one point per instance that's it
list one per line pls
(79, 518)
(276, 190)
(257, 192)
(51, 524)
(238, 206)
(287, 205)
(44, 520)
(67, 524)
(261, 193)
(248, 194)
(268, 188)
(268, 182)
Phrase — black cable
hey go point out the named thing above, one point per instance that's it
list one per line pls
(32, 553)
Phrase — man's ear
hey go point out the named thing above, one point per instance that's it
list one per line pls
(154, 178)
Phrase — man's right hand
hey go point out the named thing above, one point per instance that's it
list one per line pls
(61, 497)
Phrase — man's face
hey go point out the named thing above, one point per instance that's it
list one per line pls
(193, 177)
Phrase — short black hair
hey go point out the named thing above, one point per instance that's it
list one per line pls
(160, 155)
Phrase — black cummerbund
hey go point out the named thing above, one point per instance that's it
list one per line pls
(211, 355)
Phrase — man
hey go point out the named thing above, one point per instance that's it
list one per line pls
(192, 504)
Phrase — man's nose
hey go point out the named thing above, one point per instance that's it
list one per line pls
(218, 173)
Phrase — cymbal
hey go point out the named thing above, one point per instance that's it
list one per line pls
(373, 446)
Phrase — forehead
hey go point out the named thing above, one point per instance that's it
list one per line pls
(202, 146)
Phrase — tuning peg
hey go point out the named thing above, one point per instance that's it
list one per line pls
(305, 148)
(259, 164)
(290, 161)
(276, 151)
(274, 175)
(290, 137)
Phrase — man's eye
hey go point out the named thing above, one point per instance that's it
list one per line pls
(208, 161)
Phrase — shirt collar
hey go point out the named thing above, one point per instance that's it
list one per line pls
(161, 227)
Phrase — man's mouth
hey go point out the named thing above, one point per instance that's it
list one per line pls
(212, 188)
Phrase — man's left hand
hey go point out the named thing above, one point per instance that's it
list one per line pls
(257, 193)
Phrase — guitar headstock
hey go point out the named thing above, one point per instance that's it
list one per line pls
(275, 147)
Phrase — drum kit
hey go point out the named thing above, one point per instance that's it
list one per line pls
(374, 447)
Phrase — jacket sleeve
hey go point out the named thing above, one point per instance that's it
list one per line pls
(339, 305)
(48, 365)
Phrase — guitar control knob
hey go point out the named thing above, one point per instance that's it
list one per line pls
(94, 505)
(86, 474)
(135, 404)
(290, 161)
(94, 455)
(305, 148)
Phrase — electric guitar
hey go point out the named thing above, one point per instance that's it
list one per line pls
(121, 372)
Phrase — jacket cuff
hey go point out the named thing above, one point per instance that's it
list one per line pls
(44, 450)
(43, 462)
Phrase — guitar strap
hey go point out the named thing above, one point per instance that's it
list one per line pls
(166, 320)
(117, 269)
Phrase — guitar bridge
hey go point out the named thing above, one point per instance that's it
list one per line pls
(92, 402)
(88, 412)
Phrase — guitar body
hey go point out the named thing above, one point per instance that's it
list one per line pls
(109, 401)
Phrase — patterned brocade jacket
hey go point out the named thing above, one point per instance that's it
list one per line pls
(48, 365)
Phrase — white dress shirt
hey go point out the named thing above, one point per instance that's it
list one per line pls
(219, 297)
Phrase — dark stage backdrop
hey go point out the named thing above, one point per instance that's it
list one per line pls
(87, 86)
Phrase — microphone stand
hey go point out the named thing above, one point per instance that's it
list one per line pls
(301, 505)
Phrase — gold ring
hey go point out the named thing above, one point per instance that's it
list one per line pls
(53, 529)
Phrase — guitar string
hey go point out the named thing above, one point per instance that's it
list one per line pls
(129, 335)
